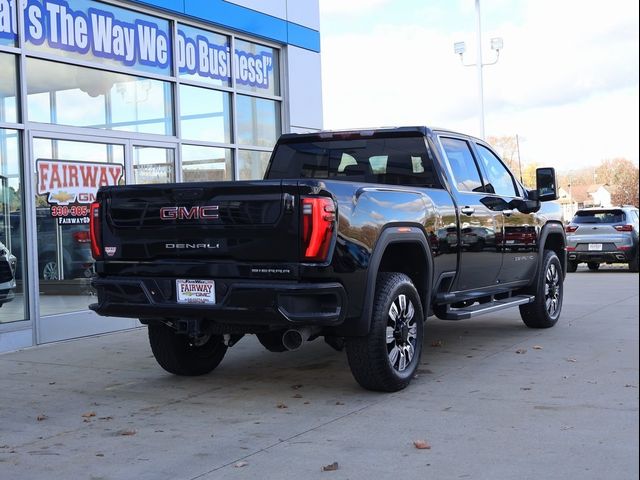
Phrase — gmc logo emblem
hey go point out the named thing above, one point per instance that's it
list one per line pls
(207, 212)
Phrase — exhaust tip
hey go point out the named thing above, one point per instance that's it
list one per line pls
(292, 339)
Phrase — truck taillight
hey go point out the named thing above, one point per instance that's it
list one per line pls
(624, 228)
(95, 230)
(318, 220)
(570, 228)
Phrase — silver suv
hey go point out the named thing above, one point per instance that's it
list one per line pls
(603, 235)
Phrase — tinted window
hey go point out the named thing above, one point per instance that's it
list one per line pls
(599, 216)
(499, 179)
(394, 161)
(463, 166)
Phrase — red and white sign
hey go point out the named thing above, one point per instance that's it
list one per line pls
(74, 182)
(196, 291)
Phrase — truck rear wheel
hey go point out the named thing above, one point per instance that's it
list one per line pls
(387, 358)
(545, 310)
(180, 355)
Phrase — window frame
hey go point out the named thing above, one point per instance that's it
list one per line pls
(486, 179)
(454, 183)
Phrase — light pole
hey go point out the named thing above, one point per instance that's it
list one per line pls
(460, 48)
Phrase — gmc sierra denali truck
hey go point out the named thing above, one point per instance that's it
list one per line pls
(355, 236)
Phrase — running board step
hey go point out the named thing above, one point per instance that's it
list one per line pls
(482, 308)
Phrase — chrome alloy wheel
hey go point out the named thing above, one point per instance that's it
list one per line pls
(552, 291)
(402, 331)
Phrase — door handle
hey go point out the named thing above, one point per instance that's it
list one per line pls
(468, 210)
(507, 213)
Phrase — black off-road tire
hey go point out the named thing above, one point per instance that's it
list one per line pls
(178, 355)
(593, 266)
(572, 266)
(545, 310)
(272, 341)
(370, 357)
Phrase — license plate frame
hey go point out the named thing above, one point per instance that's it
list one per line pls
(193, 291)
(595, 247)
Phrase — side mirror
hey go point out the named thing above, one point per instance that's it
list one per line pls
(546, 187)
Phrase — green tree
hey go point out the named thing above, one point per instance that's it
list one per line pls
(622, 175)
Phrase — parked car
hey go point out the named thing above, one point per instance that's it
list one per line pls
(7, 275)
(75, 242)
(603, 235)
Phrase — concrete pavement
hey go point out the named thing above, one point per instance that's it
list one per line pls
(493, 399)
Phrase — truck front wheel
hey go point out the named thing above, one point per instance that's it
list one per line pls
(545, 309)
(180, 355)
(387, 358)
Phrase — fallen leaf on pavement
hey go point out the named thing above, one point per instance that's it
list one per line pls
(240, 464)
(89, 414)
(330, 468)
(521, 350)
(537, 347)
(296, 387)
(41, 417)
(99, 454)
(297, 395)
(421, 445)
(281, 405)
(339, 403)
(127, 433)
(571, 359)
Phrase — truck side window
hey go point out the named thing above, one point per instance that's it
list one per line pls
(499, 177)
(463, 166)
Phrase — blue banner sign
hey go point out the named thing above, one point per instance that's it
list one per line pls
(84, 28)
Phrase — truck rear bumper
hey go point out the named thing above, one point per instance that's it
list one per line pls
(238, 302)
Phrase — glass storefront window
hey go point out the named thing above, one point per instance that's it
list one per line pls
(68, 175)
(203, 56)
(12, 245)
(252, 164)
(258, 121)
(8, 24)
(256, 68)
(83, 97)
(8, 88)
(205, 114)
(206, 164)
(153, 165)
(97, 32)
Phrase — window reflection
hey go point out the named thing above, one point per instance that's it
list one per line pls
(256, 68)
(8, 88)
(12, 298)
(152, 165)
(252, 165)
(203, 164)
(258, 121)
(205, 114)
(83, 97)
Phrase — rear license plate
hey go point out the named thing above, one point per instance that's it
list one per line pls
(196, 291)
(595, 247)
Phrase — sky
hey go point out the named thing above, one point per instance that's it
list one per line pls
(566, 81)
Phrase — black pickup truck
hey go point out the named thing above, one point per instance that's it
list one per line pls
(355, 236)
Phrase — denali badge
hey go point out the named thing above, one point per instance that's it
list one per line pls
(205, 212)
(205, 246)
(111, 251)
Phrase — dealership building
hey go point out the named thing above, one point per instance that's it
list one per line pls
(130, 92)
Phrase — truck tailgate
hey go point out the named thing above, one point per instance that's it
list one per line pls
(253, 221)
